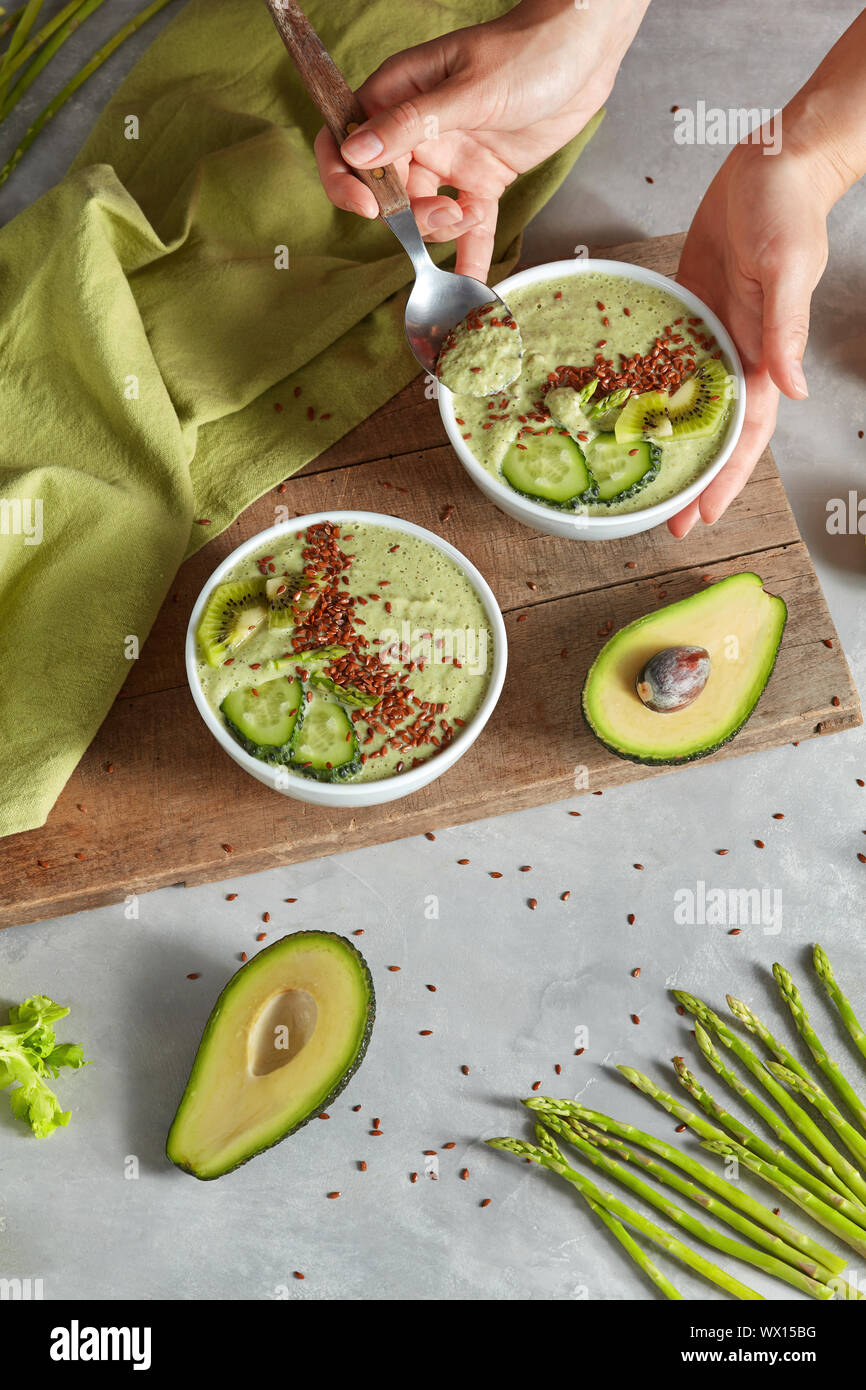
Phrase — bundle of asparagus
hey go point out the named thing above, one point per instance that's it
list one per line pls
(27, 57)
(824, 1178)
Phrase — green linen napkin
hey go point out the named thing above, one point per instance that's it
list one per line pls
(147, 333)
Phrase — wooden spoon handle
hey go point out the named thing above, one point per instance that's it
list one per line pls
(338, 104)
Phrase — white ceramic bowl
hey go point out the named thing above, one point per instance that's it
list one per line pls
(595, 528)
(346, 793)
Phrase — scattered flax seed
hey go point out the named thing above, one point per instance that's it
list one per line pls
(564, 897)
(777, 1211)
(358, 932)
(333, 1195)
(393, 968)
(266, 916)
(230, 897)
(485, 1203)
(432, 989)
(465, 1070)
(243, 955)
(464, 1173)
(860, 782)
(558, 1069)
(637, 866)
(80, 854)
(426, 1033)
(495, 874)
(681, 1011)
(262, 936)
(428, 835)
(447, 512)
(194, 976)
(202, 521)
(649, 179)
(862, 858)
(362, 1166)
(735, 931)
(635, 1018)
(836, 701)
(532, 904)
(81, 808)
(377, 1133)
(631, 919)
(680, 1128)
(778, 815)
(828, 641)
(635, 972)
(525, 868)
(564, 653)
(429, 1153)
(579, 1051)
(451, 1145)
(229, 849)
(674, 110)
(631, 564)
(464, 861)
(536, 1085)
(43, 863)
(721, 851)
(413, 1177)
(574, 813)
(110, 767)
(759, 844)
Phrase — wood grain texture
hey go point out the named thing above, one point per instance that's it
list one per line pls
(174, 801)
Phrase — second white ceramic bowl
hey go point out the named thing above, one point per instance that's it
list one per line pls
(596, 528)
(347, 794)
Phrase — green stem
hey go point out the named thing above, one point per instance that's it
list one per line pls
(839, 998)
(20, 56)
(759, 1258)
(10, 58)
(848, 1181)
(828, 1218)
(829, 1174)
(73, 85)
(626, 1214)
(8, 24)
(745, 1136)
(640, 1257)
(851, 1138)
(733, 1193)
(80, 11)
(791, 996)
(760, 1030)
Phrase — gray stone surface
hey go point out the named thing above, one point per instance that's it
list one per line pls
(512, 984)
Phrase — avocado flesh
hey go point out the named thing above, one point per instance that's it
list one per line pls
(285, 1036)
(736, 608)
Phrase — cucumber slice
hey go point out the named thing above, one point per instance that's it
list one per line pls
(263, 718)
(548, 468)
(325, 745)
(621, 470)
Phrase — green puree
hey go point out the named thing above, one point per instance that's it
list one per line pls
(427, 592)
(566, 331)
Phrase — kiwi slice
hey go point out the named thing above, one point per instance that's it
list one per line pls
(280, 592)
(696, 409)
(232, 612)
(643, 417)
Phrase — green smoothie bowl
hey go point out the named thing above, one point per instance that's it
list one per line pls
(628, 398)
(346, 658)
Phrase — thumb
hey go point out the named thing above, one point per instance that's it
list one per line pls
(398, 129)
(787, 301)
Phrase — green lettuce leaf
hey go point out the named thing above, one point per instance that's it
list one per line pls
(29, 1052)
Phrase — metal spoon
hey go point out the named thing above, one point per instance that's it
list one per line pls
(439, 299)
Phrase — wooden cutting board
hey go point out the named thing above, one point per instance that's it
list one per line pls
(173, 801)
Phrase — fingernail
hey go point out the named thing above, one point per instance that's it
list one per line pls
(362, 146)
(444, 217)
(798, 379)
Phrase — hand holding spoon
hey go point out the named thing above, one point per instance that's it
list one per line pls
(440, 300)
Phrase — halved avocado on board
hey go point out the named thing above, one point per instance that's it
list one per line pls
(738, 624)
(287, 1033)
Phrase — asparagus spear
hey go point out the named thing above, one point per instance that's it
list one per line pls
(758, 1029)
(851, 1138)
(10, 20)
(791, 996)
(733, 1193)
(680, 1251)
(831, 1220)
(575, 1129)
(829, 1174)
(840, 999)
(745, 1136)
(17, 42)
(17, 56)
(74, 83)
(759, 1258)
(639, 1255)
(846, 1177)
(78, 12)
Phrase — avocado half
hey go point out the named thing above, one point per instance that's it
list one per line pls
(287, 1033)
(740, 626)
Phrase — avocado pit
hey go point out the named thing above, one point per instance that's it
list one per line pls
(284, 1026)
(673, 678)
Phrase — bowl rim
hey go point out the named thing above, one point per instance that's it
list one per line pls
(659, 511)
(412, 778)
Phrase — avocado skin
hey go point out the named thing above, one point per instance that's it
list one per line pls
(689, 757)
(332, 1095)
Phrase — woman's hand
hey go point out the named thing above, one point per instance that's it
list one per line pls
(754, 253)
(477, 107)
